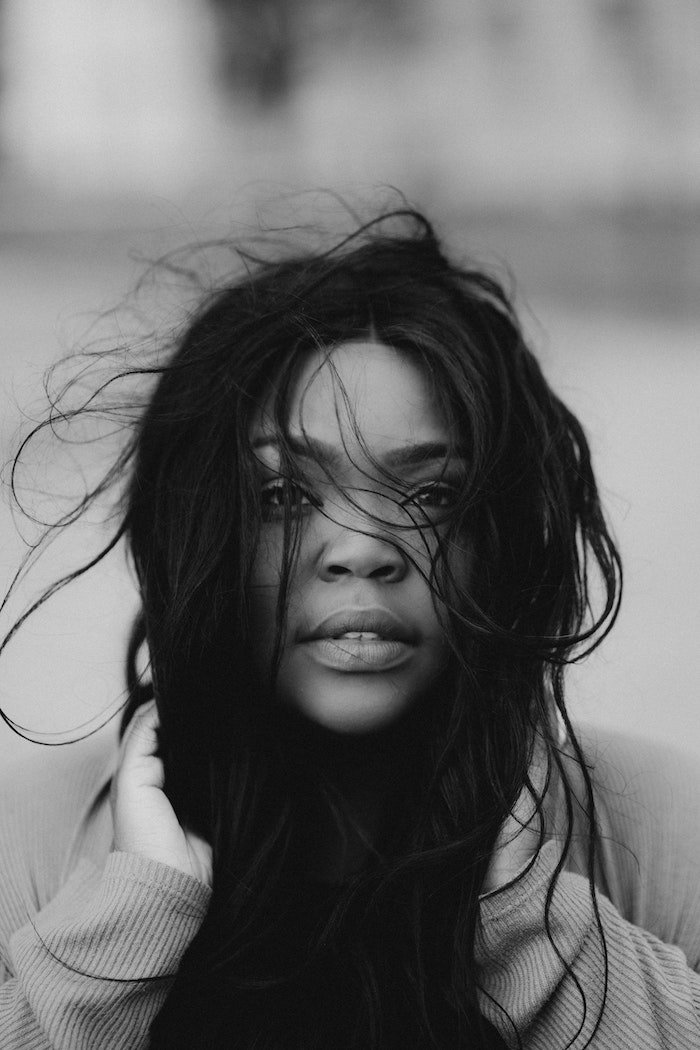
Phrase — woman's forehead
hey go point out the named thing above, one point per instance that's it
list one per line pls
(360, 393)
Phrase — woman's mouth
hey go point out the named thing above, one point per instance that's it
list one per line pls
(360, 640)
(358, 651)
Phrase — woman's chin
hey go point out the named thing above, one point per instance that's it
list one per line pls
(351, 712)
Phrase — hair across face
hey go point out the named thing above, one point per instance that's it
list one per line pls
(376, 471)
(215, 547)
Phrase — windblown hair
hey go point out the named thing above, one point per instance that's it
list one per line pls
(385, 959)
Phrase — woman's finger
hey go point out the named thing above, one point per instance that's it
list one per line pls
(138, 758)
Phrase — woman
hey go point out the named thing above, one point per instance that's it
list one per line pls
(350, 809)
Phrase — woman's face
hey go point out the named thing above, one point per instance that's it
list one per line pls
(362, 639)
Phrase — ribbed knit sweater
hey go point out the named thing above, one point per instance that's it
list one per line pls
(89, 938)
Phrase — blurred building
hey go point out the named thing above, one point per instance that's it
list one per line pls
(106, 97)
(494, 100)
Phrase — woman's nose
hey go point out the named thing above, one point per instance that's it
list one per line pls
(366, 555)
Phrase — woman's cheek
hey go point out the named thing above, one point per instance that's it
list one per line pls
(265, 584)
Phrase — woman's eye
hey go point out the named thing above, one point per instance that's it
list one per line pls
(437, 495)
(275, 495)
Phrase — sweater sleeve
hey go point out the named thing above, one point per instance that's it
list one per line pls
(543, 994)
(92, 968)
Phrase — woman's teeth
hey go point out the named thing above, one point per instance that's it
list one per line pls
(368, 635)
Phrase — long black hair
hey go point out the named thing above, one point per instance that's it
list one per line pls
(385, 958)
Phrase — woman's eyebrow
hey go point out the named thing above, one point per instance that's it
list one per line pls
(409, 455)
(423, 452)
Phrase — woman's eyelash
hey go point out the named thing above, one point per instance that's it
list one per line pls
(434, 494)
(428, 497)
(277, 493)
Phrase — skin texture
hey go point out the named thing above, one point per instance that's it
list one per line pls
(348, 560)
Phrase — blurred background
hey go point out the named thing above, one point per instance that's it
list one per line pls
(561, 142)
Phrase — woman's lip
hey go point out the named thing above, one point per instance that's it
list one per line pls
(371, 619)
(361, 655)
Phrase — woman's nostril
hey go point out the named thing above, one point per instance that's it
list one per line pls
(338, 570)
(362, 555)
(384, 571)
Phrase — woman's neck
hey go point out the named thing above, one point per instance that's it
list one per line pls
(338, 842)
(361, 780)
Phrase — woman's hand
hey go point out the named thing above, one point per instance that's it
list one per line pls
(519, 837)
(144, 821)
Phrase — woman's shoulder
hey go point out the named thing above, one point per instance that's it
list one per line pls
(45, 801)
(647, 796)
(646, 783)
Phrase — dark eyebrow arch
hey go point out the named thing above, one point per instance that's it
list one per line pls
(405, 456)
